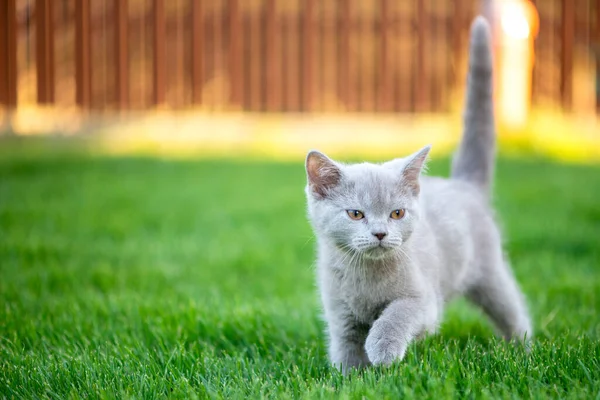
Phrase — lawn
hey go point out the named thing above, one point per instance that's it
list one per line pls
(145, 277)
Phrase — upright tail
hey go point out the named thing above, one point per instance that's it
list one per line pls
(474, 161)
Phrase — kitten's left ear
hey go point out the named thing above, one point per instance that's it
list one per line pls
(413, 167)
(323, 173)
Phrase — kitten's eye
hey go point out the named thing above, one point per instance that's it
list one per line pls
(398, 214)
(355, 214)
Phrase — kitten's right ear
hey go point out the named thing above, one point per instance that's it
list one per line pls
(323, 173)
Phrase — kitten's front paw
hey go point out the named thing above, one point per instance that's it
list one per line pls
(385, 344)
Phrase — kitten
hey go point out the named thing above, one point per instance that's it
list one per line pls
(394, 247)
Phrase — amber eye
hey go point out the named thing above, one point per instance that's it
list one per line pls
(398, 214)
(355, 214)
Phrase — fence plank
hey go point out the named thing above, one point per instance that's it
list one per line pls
(437, 58)
(8, 54)
(454, 40)
(597, 49)
(120, 8)
(421, 84)
(597, 31)
(219, 95)
(159, 62)
(83, 68)
(385, 84)
(44, 37)
(568, 36)
(273, 71)
(255, 26)
(405, 62)
(328, 97)
(308, 54)
(236, 55)
(290, 61)
(346, 89)
(197, 51)
(366, 73)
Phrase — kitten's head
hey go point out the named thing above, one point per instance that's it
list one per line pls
(364, 208)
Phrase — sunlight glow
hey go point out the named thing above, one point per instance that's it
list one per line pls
(518, 20)
(514, 21)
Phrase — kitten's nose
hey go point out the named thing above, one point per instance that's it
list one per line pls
(380, 235)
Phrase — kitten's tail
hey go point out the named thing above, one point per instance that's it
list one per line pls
(474, 161)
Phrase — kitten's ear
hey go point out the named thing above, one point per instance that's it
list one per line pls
(413, 167)
(323, 173)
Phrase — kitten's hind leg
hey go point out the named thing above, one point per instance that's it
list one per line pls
(498, 294)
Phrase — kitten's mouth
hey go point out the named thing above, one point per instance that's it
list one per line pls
(378, 251)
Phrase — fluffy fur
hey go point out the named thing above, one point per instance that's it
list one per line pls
(380, 294)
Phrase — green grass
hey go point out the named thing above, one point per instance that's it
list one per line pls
(139, 277)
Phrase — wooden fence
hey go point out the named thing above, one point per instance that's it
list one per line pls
(267, 55)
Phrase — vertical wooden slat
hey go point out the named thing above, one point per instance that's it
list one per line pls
(273, 72)
(371, 43)
(235, 54)
(597, 45)
(534, 71)
(197, 51)
(44, 51)
(458, 27)
(219, 96)
(83, 71)
(597, 31)
(290, 62)
(405, 60)
(457, 30)
(385, 82)
(284, 30)
(366, 74)
(453, 41)
(327, 57)
(568, 36)
(180, 98)
(347, 90)
(286, 55)
(308, 54)
(434, 60)
(8, 54)
(393, 55)
(319, 50)
(104, 94)
(421, 83)
(159, 61)
(295, 70)
(255, 65)
(120, 8)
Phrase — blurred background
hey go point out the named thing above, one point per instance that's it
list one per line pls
(208, 74)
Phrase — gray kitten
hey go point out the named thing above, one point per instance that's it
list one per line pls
(394, 247)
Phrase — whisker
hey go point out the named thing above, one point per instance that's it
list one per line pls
(309, 239)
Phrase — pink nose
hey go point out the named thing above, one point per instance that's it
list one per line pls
(380, 235)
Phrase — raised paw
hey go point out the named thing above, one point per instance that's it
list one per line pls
(385, 344)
